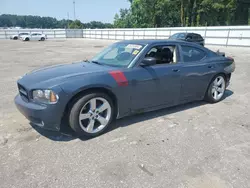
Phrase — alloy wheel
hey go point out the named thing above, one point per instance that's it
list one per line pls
(95, 115)
(218, 88)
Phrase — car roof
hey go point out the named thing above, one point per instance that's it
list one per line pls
(152, 41)
(188, 33)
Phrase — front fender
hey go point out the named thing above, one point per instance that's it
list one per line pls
(76, 85)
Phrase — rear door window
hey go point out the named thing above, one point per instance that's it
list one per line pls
(189, 37)
(192, 54)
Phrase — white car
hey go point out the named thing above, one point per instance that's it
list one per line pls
(17, 36)
(34, 36)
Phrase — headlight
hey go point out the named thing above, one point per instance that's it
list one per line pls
(45, 96)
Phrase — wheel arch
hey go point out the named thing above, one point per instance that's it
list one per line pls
(85, 91)
(217, 74)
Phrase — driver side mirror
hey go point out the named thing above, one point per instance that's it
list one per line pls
(148, 61)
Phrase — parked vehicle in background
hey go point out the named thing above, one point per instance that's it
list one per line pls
(34, 36)
(17, 36)
(189, 37)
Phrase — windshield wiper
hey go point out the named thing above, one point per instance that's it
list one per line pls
(96, 62)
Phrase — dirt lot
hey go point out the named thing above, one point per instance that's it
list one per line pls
(196, 145)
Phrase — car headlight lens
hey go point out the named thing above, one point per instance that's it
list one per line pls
(45, 96)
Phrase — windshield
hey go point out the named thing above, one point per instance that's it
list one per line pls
(23, 34)
(178, 36)
(118, 54)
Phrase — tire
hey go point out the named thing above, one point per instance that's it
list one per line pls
(27, 39)
(15, 38)
(42, 39)
(84, 117)
(216, 90)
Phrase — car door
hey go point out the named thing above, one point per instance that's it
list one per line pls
(195, 73)
(38, 36)
(33, 36)
(157, 85)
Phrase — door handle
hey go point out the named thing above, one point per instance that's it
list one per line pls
(210, 67)
(176, 70)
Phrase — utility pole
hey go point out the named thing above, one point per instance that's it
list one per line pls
(68, 20)
(74, 4)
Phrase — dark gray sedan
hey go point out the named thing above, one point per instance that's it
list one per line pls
(189, 37)
(127, 77)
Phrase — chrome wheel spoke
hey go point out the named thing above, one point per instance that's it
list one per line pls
(103, 107)
(221, 90)
(215, 82)
(219, 82)
(84, 116)
(213, 90)
(215, 94)
(90, 126)
(102, 120)
(92, 104)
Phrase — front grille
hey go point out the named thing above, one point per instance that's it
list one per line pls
(23, 92)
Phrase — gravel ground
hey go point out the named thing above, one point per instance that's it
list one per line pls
(196, 145)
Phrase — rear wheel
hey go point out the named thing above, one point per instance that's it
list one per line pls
(15, 38)
(42, 39)
(91, 114)
(216, 89)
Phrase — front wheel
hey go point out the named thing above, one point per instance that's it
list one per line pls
(91, 114)
(27, 39)
(216, 89)
(42, 39)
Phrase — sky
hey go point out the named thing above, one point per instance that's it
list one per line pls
(86, 10)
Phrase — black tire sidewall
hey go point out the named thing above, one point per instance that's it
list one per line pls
(76, 108)
(42, 39)
(209, 98)
(27, 39)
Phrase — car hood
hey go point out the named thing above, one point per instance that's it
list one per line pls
(54, 75)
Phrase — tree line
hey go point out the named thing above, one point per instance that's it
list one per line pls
(172, 13)
(8, 20)
(151, 13)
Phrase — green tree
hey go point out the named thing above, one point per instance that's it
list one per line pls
(7, 20)
(124, 20)
(169, 13)
(76, 25)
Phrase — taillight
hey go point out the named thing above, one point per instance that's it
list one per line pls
(230, 58)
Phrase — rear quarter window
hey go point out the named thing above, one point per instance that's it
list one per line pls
(199, 37)
(192, 54)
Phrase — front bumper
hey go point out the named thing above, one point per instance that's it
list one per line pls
(44, 116)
